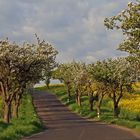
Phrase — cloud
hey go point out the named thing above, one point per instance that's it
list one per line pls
(75, 28)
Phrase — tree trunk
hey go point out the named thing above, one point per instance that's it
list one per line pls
(47, 83)
(76, 96)
(16, 104)
(6, 112)
(7, 98)
(68, 92)
(91, 106)
(47, 86)
(116, 110)
(98, 106)
(91, 99)
(99, 102)
(15, 110)
(78, 99)
(116, 102)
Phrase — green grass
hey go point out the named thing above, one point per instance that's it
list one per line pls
(106, 110)
(27, 123)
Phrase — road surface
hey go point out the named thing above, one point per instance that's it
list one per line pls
(62, 124)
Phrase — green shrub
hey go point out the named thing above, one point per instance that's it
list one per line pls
(129, 115)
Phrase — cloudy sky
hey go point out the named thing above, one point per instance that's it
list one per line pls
(74, 27)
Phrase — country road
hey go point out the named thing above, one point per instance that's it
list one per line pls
(62, 124)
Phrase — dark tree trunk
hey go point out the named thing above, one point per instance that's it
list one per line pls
(91, 99)
(68, 92)
(76, 94)
(116, 110)
(116, 101)
(91, 106)
(47, 86)
(47, 83)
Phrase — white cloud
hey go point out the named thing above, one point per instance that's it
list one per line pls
(91, 59)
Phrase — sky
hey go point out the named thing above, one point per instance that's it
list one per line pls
(74, 27)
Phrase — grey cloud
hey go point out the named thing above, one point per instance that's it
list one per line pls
(76, 28)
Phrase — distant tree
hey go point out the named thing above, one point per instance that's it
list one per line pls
(47, 77)
(80, 80)
(48, 71)
(75, 76)
(50, 66)
(64, 73)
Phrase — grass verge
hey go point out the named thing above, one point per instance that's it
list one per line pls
(27, 123)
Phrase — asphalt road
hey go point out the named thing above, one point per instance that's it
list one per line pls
(62, 124)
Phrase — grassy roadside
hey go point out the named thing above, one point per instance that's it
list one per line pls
(106, 116)
(27, 123)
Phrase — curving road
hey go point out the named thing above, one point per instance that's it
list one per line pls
(62, 124)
